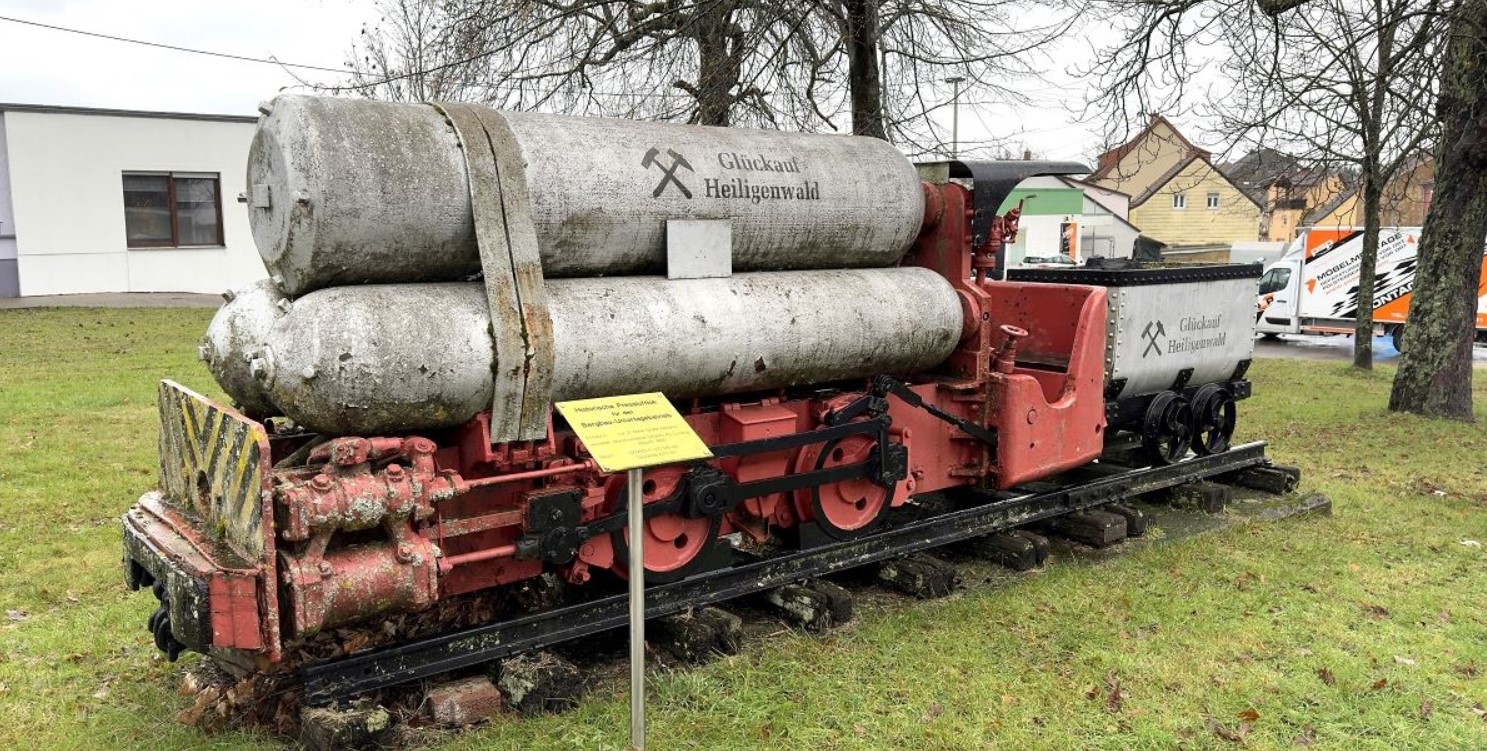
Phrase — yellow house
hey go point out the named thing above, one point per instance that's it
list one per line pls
(1405, 202)
(1177, 195)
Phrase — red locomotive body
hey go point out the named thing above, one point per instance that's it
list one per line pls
(258, 538)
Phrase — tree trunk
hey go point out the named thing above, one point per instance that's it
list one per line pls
(1435, 371)
(717, 63)
(1367, 266)
(862, 74)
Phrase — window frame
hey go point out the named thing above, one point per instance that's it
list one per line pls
(1211, 201)
(175, 221)
(1275, 280)
(1179, 201)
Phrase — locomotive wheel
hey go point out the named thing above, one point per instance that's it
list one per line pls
(1167, 429)
(848, 508)
(1214, 416)
(674, 544)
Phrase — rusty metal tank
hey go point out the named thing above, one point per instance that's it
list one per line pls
(352, 191)
(376, 359)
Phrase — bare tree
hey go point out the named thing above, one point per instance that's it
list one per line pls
(800, 65)
(413, 53)
(1345, 83)
(1435, 369)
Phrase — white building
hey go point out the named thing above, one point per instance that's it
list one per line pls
(1103, 218)
(95, 200)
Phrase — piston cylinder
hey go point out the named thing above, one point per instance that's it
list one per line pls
(378, 359)
(354, 191)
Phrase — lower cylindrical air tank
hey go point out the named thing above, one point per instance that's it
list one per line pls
(390, 358)
(234, 338)
(356, 191)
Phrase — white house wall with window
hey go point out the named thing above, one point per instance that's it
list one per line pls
(120, 201)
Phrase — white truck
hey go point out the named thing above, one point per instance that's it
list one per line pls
(1313, 288)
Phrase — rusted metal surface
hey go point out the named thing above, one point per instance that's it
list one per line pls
(360, 191)
(346, 360)
(214, 480)
(346, 492)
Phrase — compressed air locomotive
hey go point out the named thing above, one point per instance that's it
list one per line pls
(442, 274)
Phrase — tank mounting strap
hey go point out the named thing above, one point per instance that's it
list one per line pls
(981, 513)
(521, 325)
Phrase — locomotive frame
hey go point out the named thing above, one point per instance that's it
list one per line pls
(257, 538)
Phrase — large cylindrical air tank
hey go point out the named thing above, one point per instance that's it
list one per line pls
(374, 359)
(352, 191)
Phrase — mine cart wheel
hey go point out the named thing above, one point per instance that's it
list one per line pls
(848, 508)
(674, 544)
(1213, 419)
(1167, 429)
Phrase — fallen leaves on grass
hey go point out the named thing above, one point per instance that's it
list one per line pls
(1426, 709)
(1326, 676)
(1235, 735)
(1466, 670)
(1379, 684)
(1114, 697)
(1404, 660)
(1307, 737)
(17, 615)
(932, 711)
(1249, 715)
(1376, 611)
(1479, 712)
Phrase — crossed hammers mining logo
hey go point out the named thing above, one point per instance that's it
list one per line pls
(668, 173)
(1150, 336)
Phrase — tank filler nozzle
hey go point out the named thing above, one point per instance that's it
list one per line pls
(1006, 354)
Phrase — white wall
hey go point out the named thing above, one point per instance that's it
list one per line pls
(1038, 235)
(9, 282)
(66, 178)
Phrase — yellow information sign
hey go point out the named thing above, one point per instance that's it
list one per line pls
(633, 431)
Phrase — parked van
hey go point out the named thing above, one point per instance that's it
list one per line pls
(1313, 289)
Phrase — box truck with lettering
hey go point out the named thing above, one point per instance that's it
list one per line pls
(1313, 289)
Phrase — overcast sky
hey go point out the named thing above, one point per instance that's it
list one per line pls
(52, 67)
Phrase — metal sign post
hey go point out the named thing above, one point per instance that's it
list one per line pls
(636, 568)
(628, 434)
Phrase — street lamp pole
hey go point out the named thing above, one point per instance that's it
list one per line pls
(955, 118)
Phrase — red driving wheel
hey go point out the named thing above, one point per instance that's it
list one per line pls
(672, 542)
(849, 507)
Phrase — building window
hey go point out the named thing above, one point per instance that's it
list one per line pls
(1213, 200)
(172, 209)
(1179, 200)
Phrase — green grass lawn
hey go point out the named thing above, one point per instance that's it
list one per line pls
(1361, 631)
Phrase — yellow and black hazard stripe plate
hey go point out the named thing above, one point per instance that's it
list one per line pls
(212, 465)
